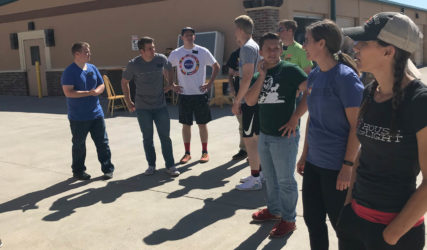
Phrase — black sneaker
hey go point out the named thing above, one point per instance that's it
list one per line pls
(83, 176)
(107, 176)
(240, 155)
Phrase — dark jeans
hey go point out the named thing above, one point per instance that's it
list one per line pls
(160, 117)
(355, 233)
(79, 131)
(320, 198)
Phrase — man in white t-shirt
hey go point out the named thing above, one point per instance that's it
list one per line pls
(191, 61)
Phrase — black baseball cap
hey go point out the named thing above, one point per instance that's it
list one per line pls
(187, 29)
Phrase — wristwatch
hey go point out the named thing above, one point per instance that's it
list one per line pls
(348, 163)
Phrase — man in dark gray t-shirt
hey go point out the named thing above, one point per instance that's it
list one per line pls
(147, 71)
(148, 78)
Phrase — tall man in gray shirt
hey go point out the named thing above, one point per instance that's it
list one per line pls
(249, 55)
(147, 71)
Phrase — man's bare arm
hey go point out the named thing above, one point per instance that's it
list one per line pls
(70, 92)
(126, 93)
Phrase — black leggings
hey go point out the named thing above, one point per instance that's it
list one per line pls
(320, 198)
(355, 233)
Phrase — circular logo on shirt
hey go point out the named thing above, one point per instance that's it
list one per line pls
(189, 65)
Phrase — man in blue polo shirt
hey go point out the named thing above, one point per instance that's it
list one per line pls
(82, 84)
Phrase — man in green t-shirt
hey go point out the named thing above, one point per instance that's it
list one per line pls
(293, 51)
(274, 90)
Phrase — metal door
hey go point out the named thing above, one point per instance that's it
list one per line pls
(34, 50)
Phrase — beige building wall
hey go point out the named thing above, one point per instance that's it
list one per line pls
(23, 6)
(10, 58)
(348, 8)
(307, 6)
(109, 31)
(358, 10)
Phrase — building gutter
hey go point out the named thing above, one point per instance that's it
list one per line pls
(333, 11)
(71, 9)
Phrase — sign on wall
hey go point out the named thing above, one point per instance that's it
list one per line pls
(134, 42)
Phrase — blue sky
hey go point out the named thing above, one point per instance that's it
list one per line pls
(416, 3)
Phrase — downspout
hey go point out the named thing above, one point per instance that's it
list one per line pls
(333, 11)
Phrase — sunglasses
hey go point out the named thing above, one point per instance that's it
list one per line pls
(280, 29)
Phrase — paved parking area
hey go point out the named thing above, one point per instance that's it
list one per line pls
(42, 208)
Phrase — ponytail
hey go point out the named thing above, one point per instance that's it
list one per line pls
(331, 33)
(367, 100)
(347, 60)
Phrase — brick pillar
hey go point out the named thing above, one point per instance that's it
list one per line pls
(265, 19)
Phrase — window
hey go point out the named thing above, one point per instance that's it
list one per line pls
(303, 22)
(3, 2)
(35, 54)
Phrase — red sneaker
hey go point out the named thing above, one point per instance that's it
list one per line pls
(185, 159)
(204, 158)
(264, 215)
(282, 228)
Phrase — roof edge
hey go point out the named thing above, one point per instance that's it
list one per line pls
(399, 4)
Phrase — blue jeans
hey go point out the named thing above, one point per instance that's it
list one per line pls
(79, 131)
(278, 158)
(160, 117)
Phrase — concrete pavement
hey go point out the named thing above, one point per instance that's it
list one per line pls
(42, 208)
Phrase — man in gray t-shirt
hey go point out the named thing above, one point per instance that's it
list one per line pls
(148, 78)
(249, 56)
(147, 71)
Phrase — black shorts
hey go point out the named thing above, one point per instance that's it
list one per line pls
(250, 120)
(194, 104)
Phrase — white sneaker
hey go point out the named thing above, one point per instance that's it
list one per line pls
(172, 171)
(253, 183)
(243, 180)
(261, 176)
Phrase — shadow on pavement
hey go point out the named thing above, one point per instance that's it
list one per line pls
(65, 206)
(217, 209)
(32, 104)
(213, 210)
(277, 243)
(45, 105)
(57, 105)
(260, 235)
(209, 179)
(30, 200)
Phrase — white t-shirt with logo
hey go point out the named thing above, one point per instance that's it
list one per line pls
(191, 67)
